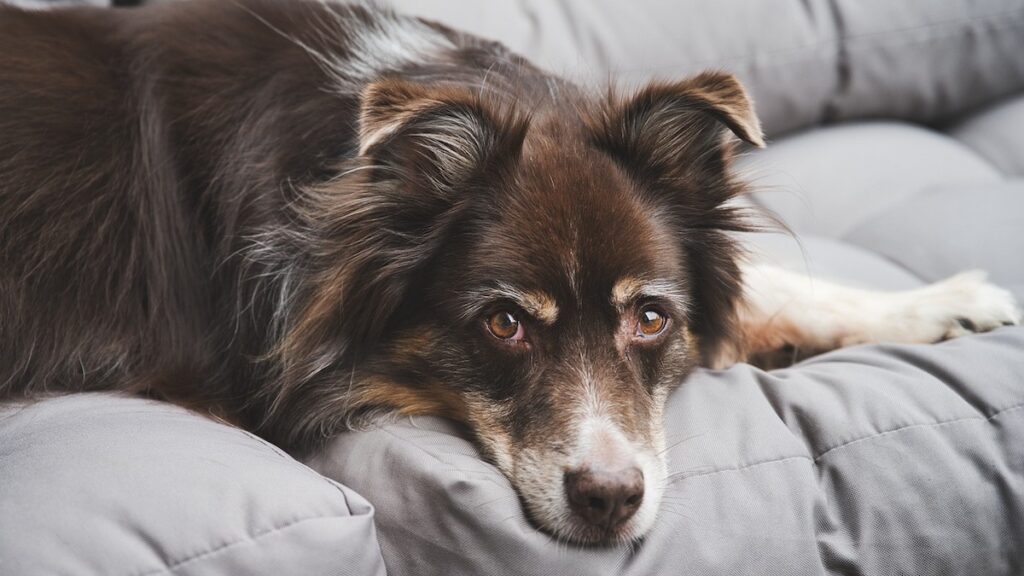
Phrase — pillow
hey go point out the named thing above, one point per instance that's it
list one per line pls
(102, 484)
(870, 460)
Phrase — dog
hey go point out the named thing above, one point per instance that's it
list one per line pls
(302, 216)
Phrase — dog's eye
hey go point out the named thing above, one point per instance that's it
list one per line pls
(505, 326)
(651, 323)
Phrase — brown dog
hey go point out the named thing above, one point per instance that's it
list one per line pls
(300, 215)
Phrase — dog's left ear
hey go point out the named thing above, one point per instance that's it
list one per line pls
(676, 140)
(674, 133)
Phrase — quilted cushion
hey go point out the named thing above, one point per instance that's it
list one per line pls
(101, 484)
(869, 460)
(836, 260)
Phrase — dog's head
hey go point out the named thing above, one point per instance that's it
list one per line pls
(546, 280)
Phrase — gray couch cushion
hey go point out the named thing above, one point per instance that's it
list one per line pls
(997, 133)
(830, 180)
(826, 258)
(100, 484)
(926, 61)
(805, 61)
(769, 45)
(870, 460)
(945, 230)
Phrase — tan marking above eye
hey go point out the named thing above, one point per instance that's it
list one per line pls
(629, 290)
(540, 305)
(625, 290)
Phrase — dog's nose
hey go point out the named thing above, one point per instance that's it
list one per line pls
(605, 498)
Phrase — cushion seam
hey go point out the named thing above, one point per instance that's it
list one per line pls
(851, 230)
(741, 467)
(815, 459)
(988, 418)
(173, 565)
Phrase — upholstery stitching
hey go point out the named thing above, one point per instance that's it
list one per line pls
(988, 418)
(742, 467)
(814, 460)
(175, 564)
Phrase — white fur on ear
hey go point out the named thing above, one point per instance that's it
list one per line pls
(730, 102)
(386, 106)
(445, 121)
(669, 115)
(368, 138)
(441, 133)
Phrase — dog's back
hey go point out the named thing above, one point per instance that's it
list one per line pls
(147, 154)
(77, 256)
(140, 149)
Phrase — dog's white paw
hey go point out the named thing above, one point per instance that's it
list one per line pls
(960, 305)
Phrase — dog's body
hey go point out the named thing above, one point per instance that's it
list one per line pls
(300, 214)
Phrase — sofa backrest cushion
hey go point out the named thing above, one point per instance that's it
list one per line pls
(805, 61)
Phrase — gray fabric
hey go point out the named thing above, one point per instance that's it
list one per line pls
(56, 3)
(870, 460)
(948, 229)
(830, 180)
(805, 61)
(99, 484)
(926, 61)
(829, 259)
(997, 133)
(775, 47)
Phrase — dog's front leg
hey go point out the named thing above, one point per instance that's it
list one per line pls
(785, 315)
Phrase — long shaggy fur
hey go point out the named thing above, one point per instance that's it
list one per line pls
(243, 206)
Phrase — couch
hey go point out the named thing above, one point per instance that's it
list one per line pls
(896, 156)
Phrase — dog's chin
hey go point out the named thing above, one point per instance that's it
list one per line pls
(569, 528)
(581, 534)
